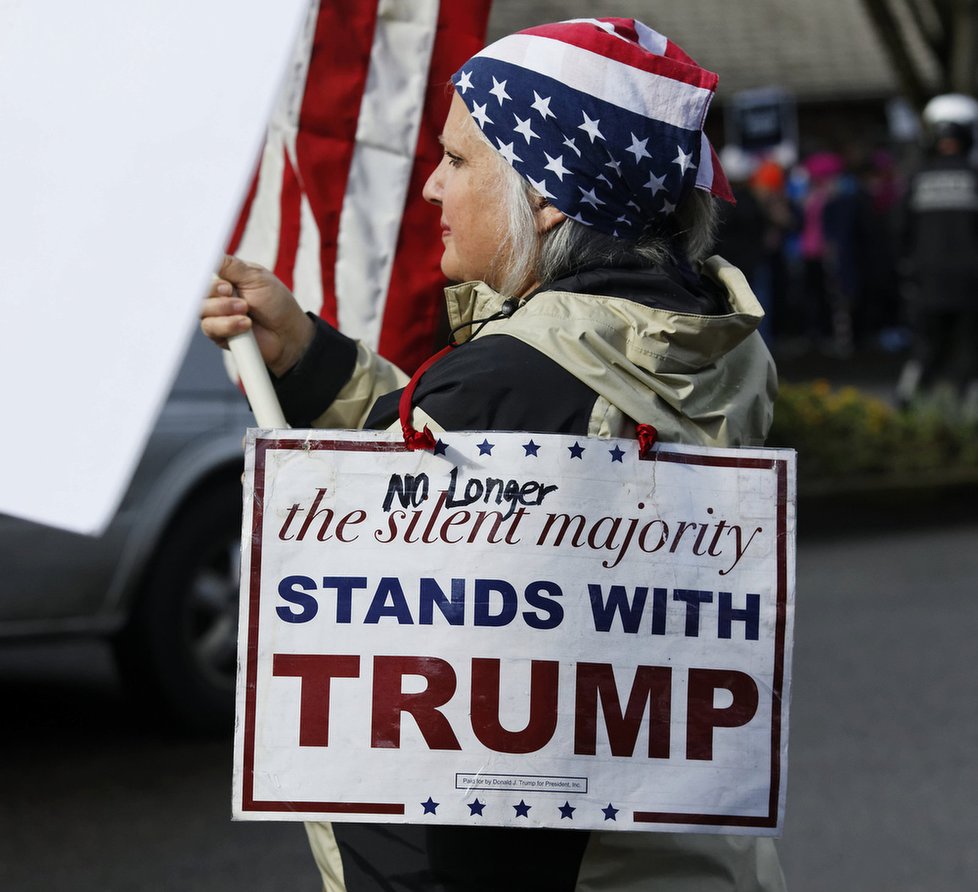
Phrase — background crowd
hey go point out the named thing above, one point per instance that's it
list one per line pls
(869, 249)
(817, 239)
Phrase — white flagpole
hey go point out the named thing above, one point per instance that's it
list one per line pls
(256, 381)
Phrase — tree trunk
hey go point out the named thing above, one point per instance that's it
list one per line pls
(962, 63)
(890, 32)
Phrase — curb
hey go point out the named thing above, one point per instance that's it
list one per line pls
(842, 508)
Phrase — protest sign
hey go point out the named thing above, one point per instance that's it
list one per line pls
(515, 630)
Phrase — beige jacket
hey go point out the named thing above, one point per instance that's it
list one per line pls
(704, 380)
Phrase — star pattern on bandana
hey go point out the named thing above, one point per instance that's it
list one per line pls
(637, 148)
(591, 127)
(499, 91)
(556, 165)
(541, 187)
(599, 163)
(683, 159)
(524, 127)
(655, 184)
(589, 196)
(506, 150)
(480, 114)
(541, 104)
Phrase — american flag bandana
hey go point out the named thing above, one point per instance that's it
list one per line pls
(603, 117)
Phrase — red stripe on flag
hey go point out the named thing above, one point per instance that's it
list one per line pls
(290, 210)
(328, 122)
(415, 296)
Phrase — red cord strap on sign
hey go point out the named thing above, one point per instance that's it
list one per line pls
(415, 439)
(647, 436)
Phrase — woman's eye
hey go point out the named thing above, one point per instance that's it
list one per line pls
(453, 160)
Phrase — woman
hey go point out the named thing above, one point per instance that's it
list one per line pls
(576, 206)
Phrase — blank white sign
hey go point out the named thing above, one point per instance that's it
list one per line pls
(128, 132)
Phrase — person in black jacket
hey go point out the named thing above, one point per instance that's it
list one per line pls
(940, 244)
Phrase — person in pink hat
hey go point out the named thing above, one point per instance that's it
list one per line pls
(577, 196)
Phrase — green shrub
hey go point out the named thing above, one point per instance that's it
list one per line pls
(843, 433)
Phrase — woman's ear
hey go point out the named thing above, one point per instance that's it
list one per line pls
(548, 217)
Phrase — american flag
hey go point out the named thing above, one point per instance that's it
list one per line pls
(335, 207)
(604, 117)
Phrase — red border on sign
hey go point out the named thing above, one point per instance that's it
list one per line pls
(780, 466)
(248, 801)
(250, 804)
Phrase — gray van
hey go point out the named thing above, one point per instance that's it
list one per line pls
(162, 582)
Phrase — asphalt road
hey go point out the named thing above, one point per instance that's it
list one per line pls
(883, 776)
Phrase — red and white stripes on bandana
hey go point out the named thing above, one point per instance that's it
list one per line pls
(603, 117)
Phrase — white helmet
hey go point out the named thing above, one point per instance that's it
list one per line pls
(951, 108)
(952, 115)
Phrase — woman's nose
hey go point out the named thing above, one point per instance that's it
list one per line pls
(432, 187)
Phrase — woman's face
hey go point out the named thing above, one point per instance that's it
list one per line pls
(465, 187)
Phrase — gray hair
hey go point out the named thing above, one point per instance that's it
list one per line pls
(526, 257)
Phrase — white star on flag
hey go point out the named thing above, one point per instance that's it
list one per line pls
(667, 207)
(637, 148)
(683, 160)
(656, 184)
(524, 128)
(615, 166)
(591, 127)
(465, 81)
(499, 90)
(587, 195)
(479, 113)
(578, 218)
(542, 105)
(506, 150)
(541, 187)
(556, 165)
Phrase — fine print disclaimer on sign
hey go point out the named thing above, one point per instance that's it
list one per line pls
(514, 630)
(521, 782)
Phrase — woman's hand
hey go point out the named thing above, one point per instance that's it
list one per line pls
(247, 296)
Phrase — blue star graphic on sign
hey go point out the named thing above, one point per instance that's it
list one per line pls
(485, 447)
(531, 448)
(610, 812)
(522, 810)
(429, 806)
(576, 451)
(475, 808)
(566, 811)
(616, 454)
(440, 447)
